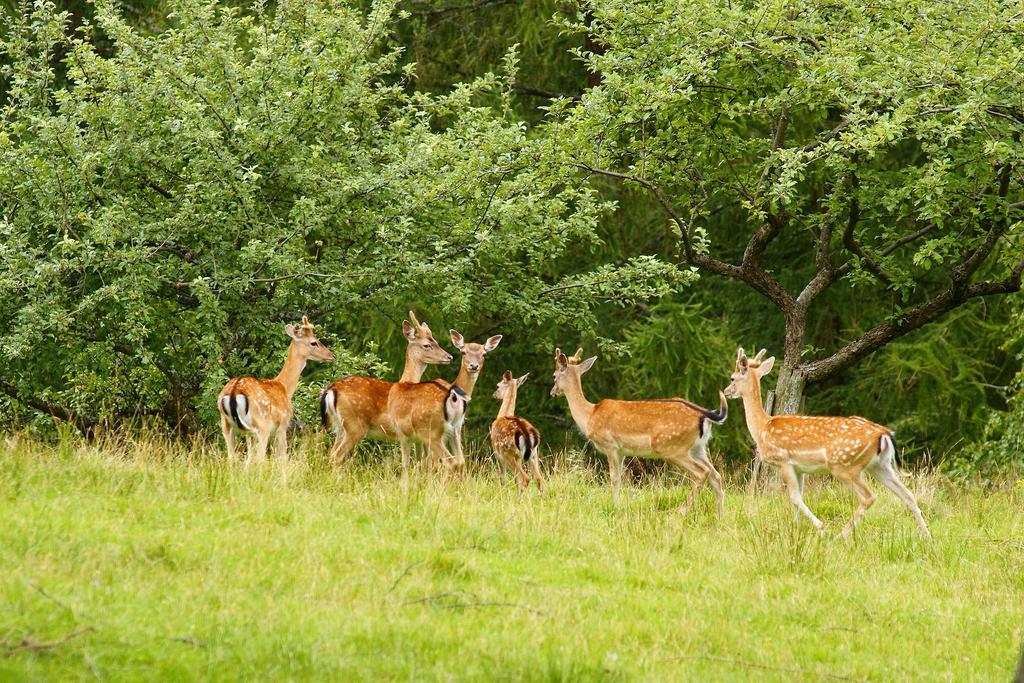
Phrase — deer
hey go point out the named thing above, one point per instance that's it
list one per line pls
(426, 411)
(261, 407)
(672, 429)
(845, 447)
(357, 406)
(516, 442)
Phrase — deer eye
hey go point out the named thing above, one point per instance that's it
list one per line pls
(314, 343)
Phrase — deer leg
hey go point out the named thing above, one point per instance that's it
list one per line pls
(700, 454)
(229, 437)
(522, 478)
(406, 447)
(800, 489)
(535, 466)
(697, 470)
(795, 497)
(865, 498)
(281, 443)
(460, 459)
(614, 472)
(258, 447)
(885, 473)
(346, 436)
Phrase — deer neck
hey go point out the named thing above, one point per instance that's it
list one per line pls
(292, 370)
(580, 408)
(753, 410)
(466, 380)
(414, 367)
(508, 404)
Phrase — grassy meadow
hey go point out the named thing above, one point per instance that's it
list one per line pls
(164, 562)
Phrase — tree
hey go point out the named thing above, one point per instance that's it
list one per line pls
(175, 199)
(803, 147)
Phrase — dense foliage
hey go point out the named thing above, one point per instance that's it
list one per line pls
(179, 179)
(175, 204)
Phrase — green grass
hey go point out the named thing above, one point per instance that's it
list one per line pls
(187, 568)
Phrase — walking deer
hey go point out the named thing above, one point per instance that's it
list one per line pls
(358, 406)
(260, 407)
(672, 429)
(428, 412)
(797, 444)
(516, 442)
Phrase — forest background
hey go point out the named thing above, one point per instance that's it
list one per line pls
(658, 183)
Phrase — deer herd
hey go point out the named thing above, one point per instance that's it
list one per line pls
(432, 414)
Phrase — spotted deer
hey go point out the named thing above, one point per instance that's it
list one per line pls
(358, 406)
(261, 407)
(798, 444)
(672, 429)
(516, 442)
(423, 411)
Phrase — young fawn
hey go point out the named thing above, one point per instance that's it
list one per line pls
(261, 407)
(516, 442)
(672, 429)
(430, 412)
(797, 444)
(357, 406)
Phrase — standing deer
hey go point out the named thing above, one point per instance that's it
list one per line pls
(260, 407)
(423, 411)
(672, 429)
(797, 444)
(516, 442)
(357, 406)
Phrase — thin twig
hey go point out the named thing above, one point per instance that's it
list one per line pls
(31, 645)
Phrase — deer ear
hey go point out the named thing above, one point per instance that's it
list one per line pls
(507, 376)
(457, 339)
(408, 330)
(742, 362)
(558, 352)
(492, 343)
(561, 362)
(292, 331)
(587, 364)
(740, 354)
(766, 366)
(519, 381)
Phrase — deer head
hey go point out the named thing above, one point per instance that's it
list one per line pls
(306, 343)
(506, 382)
(422, 345)
(747, 372)
(568, 370)
(473, 353)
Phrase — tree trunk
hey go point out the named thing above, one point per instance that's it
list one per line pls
(789, 391)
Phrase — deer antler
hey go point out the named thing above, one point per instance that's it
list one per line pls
(759, 357)
(412, 317)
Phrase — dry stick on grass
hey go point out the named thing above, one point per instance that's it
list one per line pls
(451, 600)
(29, 644)
(768, 667)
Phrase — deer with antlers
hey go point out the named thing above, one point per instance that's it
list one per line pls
(672, 429)
(516, 442)
(431, 412)
(261, 407)
(845, 447)
(358, 406)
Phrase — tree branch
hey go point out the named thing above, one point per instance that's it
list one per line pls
(48, 407)
(921, 315)
(749, 272)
